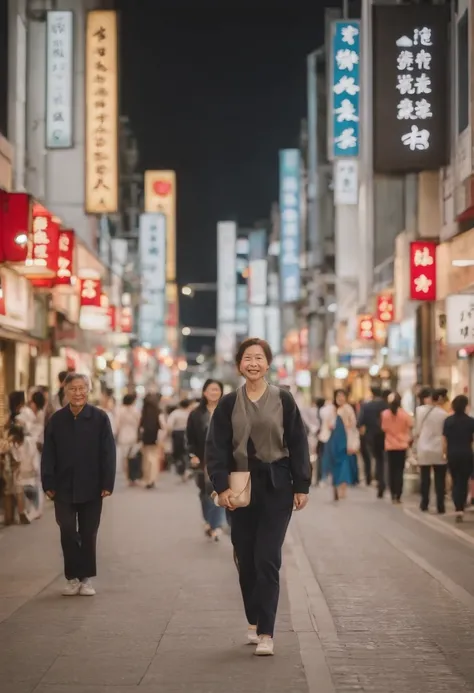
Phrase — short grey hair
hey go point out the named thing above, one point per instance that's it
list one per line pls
(76, 376)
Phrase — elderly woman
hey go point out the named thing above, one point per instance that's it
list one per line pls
(257, 432)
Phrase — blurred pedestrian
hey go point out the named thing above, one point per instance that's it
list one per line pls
(127, 434)
(196, 433)
(176, 426)
(258, 432)
(149, 428)
(342, 446)
(59, 400)
(397, 426)
(428, 440)
(458, 438)
(370, 428)
(78, 467)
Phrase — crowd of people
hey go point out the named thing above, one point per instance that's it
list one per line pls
(377, 439)
(253, 454)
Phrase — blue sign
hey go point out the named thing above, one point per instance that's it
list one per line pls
(345, 86)
(290, 216)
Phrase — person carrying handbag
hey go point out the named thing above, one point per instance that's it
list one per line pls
(428, 437)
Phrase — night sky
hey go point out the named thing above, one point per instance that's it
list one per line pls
(214, 94)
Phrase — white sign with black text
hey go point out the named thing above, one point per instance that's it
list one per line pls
(460, 320)
(59, 80)
(346, 182)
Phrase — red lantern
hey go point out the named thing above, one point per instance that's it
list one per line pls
(423, 271)
(126, 320)
(15, 226)
(65, 257)
(90, 293)
(385, 309)
(366, 328)
(42, 260)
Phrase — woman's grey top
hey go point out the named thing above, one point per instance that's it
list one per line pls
(270, 430)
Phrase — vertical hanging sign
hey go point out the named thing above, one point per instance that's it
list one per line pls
(345, 90)
(152, 245)
(423, 271)
(101, 113)
(59, 79)
(290, 213)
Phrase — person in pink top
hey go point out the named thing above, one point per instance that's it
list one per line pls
(397, 425)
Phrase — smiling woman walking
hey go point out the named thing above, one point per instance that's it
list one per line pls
(258, 461)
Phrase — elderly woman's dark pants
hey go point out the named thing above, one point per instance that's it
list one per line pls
(79, 525)
(258, 533)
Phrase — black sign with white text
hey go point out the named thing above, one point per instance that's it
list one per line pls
(411, 96)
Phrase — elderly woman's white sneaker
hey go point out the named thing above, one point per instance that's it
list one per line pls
(265, 647)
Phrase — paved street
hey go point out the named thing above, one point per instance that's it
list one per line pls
(375, 598)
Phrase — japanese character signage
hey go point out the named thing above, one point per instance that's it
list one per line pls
(385, 309)
(65, 257)
(90, 289)
(152, 248)
(423, 271)
(460, 320)
(42, 261)
(366, 331)
(126, 320)
(101, 113)
(411, 103)
(290, 218)
(160, 196)
(59, 79)
(345, 87)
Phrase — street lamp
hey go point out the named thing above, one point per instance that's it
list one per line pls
(186, 331)
(187, 291)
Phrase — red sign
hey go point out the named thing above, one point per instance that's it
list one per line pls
(90, 293)
(385, 309)
(43, 251)
(162, 187)
(366, 330)
(126, 320)
(65, 257)
(15, 226)
(423, 271)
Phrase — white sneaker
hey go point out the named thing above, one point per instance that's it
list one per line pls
(252, 637)
(86, 589)
(72, 588)
(265, 647)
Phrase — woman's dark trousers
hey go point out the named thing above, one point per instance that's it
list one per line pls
(79, 525)
(396, 467)
(439, 471)
(460, 469)
(258, 533)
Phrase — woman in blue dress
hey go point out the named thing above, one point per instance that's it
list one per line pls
(340, 452)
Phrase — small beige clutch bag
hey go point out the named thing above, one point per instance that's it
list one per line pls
(241, 487)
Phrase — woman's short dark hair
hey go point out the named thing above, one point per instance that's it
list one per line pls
(210, 381)
(17, 433)
(339, 391)
(39, 399)
(185, 403)
(440, 393)
(459, 404)
(128, 400)
(250, 342)
(425, 393)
